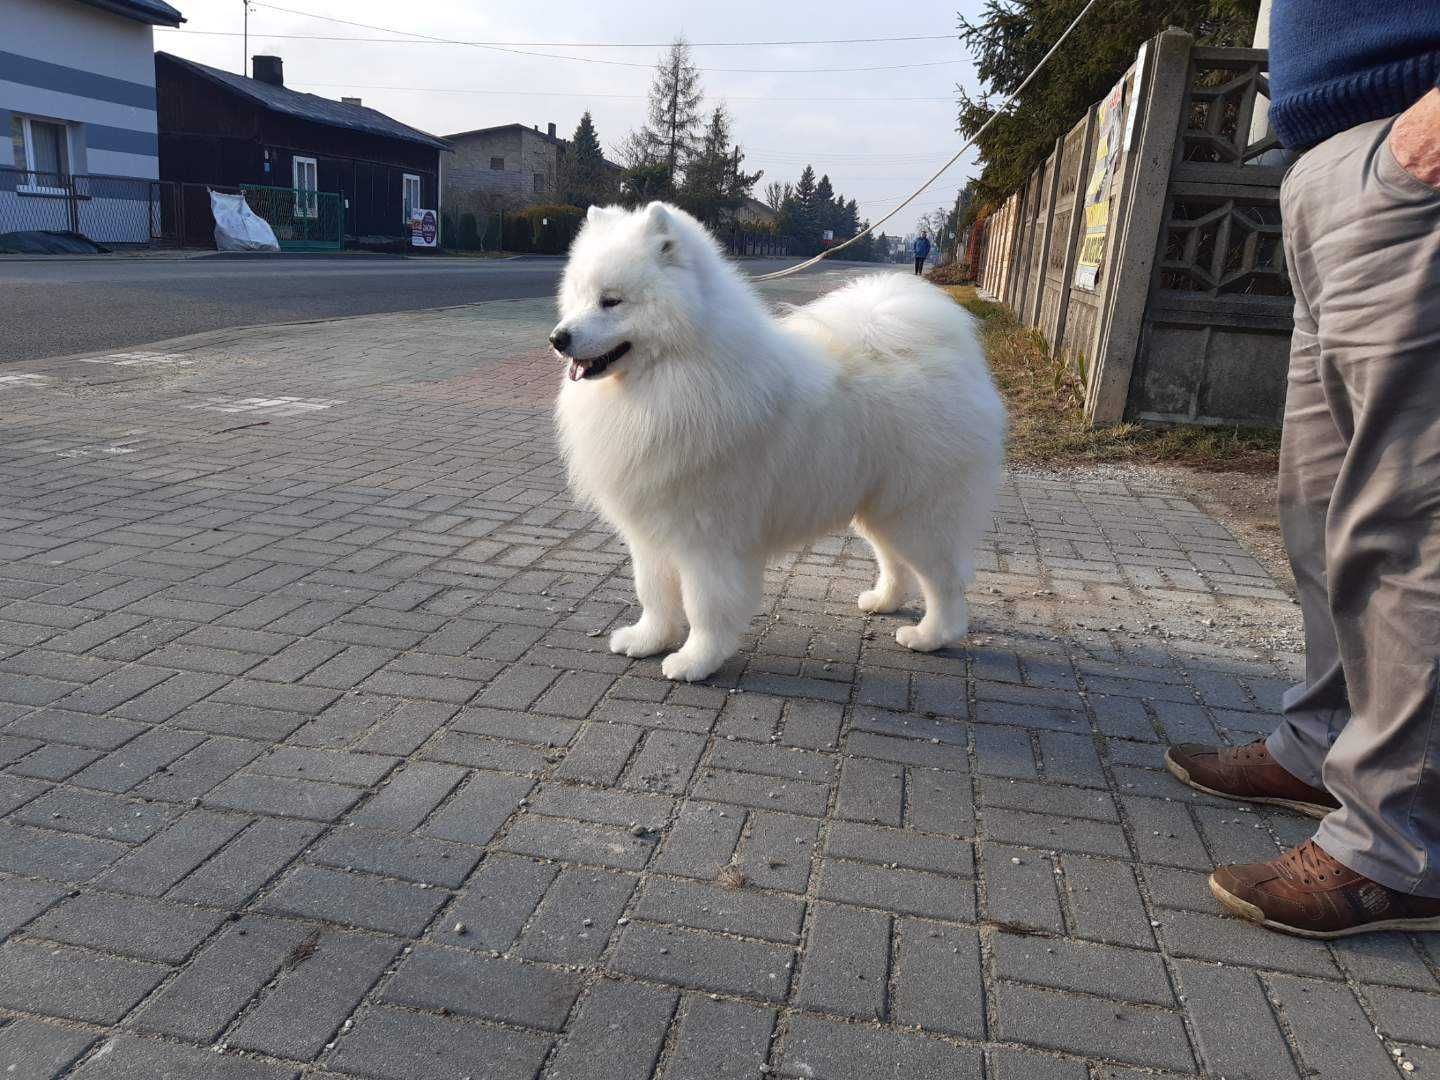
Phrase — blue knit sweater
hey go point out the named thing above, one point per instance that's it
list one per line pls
(1338, 63)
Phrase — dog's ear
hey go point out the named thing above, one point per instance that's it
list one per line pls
(659, 223)
(657, 219)
(599, 213)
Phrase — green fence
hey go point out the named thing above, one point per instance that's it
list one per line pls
(303, 220)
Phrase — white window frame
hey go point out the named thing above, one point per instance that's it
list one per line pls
(33, 185)
(305, 206)
(407, 181)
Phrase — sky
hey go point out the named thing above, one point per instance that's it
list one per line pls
(851, 124)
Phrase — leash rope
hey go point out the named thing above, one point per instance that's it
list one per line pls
(774, 274)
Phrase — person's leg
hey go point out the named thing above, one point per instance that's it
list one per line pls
(1377, 257)
(1364, 242)
(1312, 450)
(1284, 770)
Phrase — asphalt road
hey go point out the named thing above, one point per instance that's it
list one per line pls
(57, 307)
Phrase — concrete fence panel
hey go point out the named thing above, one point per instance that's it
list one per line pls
(1146, 248)
(1044, 208)
(1065, 225)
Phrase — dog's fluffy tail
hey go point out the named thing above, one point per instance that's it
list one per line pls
(891, 316)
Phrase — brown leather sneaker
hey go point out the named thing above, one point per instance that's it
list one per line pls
(1247, 773)
(1307, 893)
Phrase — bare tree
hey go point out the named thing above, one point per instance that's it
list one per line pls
(776, 193)
(633, 150)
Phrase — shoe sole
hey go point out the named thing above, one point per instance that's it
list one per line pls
(1250, 913)
(1309, 809)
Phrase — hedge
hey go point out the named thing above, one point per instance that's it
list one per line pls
(544, 230)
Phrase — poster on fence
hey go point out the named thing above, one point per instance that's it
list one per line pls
(1109, 122)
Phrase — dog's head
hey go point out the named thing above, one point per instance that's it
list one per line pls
(631, 289)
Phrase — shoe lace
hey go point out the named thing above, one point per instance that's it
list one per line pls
(1310, 863)
(1250, 751)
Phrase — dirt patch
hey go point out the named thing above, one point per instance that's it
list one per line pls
(1245, 504)
(1046, 399)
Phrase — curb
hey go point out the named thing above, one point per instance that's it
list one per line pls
(202, 338)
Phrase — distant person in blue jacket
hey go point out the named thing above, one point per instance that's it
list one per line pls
(922, 251)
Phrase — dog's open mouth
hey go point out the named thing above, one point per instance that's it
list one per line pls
(595, 365)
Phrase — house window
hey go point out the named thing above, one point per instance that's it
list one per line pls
(539, 183)
(498, 164)
(410, 196)
(307, 205)
(43, 148)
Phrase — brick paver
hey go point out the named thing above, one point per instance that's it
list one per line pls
(313, 762)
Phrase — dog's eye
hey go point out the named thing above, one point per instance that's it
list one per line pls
(609, 301)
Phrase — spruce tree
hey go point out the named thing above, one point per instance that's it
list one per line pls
(715, 185)
(803, 217)
(584, 177)
(675, 97)
(824, 205)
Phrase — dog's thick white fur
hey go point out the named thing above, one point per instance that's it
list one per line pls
(713, 435)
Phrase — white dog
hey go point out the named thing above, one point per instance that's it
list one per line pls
(713, 435)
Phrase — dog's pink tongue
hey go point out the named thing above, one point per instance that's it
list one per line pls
(576, 372)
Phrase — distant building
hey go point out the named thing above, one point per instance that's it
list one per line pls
(222, 129)
(77, 97)
(753, 212)
(507, 167)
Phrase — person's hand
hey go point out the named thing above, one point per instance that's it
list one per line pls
(1415, 139)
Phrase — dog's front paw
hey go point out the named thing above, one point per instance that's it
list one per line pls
(640, 640)
(912, 637)
(690, 665)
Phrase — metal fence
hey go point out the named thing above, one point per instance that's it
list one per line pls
(130, 211)
(110, 210)
(742, 242)
(303, 220)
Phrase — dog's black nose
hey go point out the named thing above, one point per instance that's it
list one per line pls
(560, 339)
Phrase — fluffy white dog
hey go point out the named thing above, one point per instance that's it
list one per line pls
(713, 435)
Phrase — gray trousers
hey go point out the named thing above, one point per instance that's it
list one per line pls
(1360, 503)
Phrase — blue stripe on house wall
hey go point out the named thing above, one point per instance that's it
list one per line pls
(67, 80)
(125, 140)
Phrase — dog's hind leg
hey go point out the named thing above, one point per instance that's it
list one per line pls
(941, 560)
(892, 581)
(657, 585)
(721, 592)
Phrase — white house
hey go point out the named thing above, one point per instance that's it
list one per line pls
(77, 101)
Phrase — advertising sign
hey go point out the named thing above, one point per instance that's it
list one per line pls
(424, 228)
(1097, 192)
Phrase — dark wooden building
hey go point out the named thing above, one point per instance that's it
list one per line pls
(221, 129)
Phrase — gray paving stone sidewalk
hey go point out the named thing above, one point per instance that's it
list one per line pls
(313, 762)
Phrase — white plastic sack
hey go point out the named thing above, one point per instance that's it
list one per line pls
(238, 228)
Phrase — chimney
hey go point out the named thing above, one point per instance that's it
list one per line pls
(268, 69)
(552, 131)
(350, 101)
